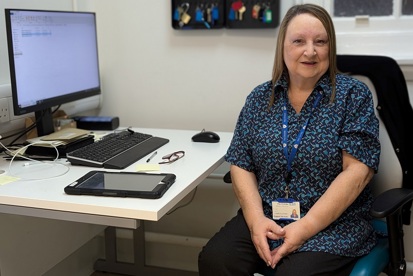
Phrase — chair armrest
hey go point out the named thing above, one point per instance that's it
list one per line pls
(390, 201)
(389, 205)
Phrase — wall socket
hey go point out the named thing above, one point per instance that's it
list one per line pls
(4, 110)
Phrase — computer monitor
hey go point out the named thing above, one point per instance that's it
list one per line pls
(53, 57)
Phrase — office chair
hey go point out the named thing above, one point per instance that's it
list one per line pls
(395, 192)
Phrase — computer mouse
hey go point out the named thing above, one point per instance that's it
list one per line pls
(206, 137)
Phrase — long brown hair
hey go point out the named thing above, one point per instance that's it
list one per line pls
(321, 14)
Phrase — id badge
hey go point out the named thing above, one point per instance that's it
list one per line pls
(285, 209)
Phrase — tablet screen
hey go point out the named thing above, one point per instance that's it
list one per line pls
(125, 182)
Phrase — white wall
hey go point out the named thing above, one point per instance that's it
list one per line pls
(164, 75)
(155, 76)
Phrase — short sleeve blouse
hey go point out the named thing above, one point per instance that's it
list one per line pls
(348, 123)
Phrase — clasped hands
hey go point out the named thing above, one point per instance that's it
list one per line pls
(293, 235)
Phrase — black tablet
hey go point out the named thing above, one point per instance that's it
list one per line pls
(122, 184)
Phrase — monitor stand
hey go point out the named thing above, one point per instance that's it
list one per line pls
(44, 122)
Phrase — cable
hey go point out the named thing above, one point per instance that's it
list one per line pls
(29, 128)
(17, 153)
(186, 204)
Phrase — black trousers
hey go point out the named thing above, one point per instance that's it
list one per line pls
(231, 252)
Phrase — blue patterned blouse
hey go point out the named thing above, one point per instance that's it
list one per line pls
(349, 123)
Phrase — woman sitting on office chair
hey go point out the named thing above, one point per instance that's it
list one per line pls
(308, 140)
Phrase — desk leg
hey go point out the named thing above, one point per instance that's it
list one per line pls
(111, 264)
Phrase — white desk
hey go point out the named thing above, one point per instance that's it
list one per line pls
(46, 198)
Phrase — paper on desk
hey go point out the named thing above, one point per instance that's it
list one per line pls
(65, 135)
(4, 179)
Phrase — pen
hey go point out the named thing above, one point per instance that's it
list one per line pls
(152, 156)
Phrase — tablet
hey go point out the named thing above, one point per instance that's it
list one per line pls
(122, 184)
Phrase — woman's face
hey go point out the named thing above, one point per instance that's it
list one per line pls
(306, 48)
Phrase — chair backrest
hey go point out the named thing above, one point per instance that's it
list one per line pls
(391, 98)
(393, 106)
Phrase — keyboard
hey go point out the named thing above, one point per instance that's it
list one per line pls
(116, 150)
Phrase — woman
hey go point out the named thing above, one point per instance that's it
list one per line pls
(294, 214)
(308, 140)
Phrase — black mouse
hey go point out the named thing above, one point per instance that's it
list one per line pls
(206, 137)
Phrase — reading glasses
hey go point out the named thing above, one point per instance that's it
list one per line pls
(172, 157)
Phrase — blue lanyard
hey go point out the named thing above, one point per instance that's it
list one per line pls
(290, 157)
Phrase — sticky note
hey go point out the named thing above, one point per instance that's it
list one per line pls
(147, 167)
(4, 179)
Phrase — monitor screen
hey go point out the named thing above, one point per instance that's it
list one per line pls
(53, 57)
